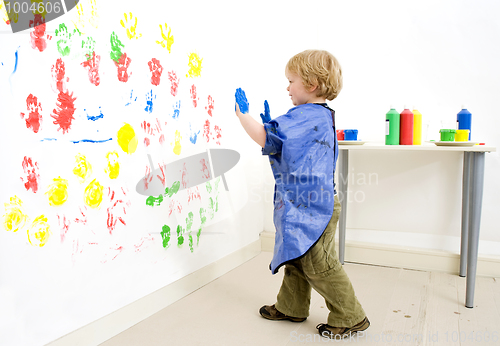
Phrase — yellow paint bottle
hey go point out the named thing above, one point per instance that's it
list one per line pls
(417, 127)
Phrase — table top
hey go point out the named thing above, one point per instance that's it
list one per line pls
(424, 146)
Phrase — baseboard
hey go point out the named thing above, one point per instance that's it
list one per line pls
(108, 326)
(400, 257)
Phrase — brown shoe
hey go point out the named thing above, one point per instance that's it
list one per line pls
(341, 332)
(271, 313)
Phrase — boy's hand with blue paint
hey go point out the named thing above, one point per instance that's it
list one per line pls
(241, 101)
(266, 117)
(254, 129)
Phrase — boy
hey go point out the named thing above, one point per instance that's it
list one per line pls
(303, 150)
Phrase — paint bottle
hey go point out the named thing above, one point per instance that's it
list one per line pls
(417, 127)
(464, 118)
(351, 135)
(392, 127)
(340, 135)
(406, 127)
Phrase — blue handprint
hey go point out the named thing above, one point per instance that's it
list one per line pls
(149, 102)
(177, 110)
(193, 135)
(266, 117)
(241, 100)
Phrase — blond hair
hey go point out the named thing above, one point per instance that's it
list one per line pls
(318, 68)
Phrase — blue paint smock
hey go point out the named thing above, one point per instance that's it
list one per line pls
(303, 150)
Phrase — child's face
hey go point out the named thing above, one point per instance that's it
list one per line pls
(297, 91)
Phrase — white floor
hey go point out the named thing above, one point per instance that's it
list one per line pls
(405, 307)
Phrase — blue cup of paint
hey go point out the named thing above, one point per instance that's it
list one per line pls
(350, 135)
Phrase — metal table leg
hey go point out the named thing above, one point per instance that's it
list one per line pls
(475, 204)
(343, 177)
(465, 212)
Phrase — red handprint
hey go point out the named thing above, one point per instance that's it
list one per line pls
(174, 80)
(34, 119)
(123, 64)
(93, 68)
(156, 68)
(31, 171)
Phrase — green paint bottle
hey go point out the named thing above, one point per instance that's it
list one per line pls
(392, 127)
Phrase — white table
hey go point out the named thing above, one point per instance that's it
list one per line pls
(472, 197)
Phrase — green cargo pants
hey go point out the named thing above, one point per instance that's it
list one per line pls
(320, 269)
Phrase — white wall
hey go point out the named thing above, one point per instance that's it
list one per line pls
(87, 272)
(435, 56)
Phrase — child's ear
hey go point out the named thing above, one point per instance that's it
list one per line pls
(313, 88)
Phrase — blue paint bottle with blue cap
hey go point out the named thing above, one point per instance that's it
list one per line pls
(464, 118)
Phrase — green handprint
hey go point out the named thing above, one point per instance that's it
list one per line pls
(88, 47)
(63, 43)
(116, 48)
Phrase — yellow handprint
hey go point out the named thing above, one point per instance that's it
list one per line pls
(168, 40)
(131, 29)
(94, 17)
(80, 22)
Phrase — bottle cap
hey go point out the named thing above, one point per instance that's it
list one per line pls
(406, 107)
(464, 106)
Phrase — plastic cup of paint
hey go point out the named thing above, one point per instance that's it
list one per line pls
(340, 135)
(350, 135)
(462, 136)
(447, 135)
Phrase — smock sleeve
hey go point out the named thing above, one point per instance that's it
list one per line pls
(273, 141)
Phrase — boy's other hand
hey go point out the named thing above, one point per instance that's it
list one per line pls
(266, 117)
(242, 104)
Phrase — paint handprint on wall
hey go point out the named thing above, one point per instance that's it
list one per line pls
(194, 65)
(167, 39)
(86, 15)
(39, 231)
(149, 101)
(93, 19)
(63, 113)
(174, 80)
(210, 107)
(83, 168)
(156, 69)
(34, 118)
(194, 96)
(63, 40)
(113, 166)
(92, 66)
(116, 47)
(130, 24)
(119, 204)
(57, 192)
(30, 169)
(88, 47)
(37, 35)
(14, 218)
(59, 80)
(93, 194)
(122, 66)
